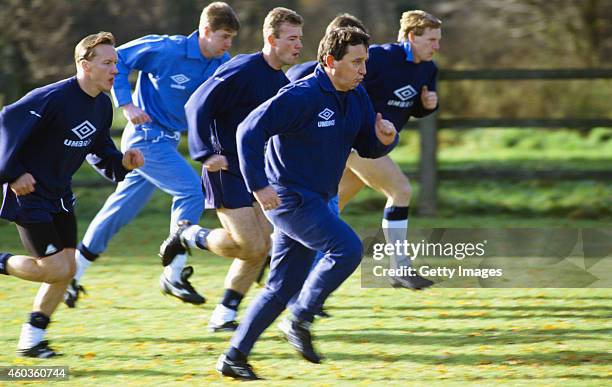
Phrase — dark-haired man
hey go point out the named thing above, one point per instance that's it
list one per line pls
(311, 125)
(401, 82)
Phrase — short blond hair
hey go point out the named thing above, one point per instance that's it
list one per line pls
(84, 50)
(416, 21)
(277, 17)
(219, 16)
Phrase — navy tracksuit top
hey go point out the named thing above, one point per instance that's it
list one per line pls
(393, 81)
(49, 133)
(312, 128)
(217, 107)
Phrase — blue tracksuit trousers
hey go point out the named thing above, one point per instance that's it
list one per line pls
(303, 225)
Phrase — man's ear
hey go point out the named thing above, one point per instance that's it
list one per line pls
(271, 40)
(85, 65)
(411, 37)
(206, 31)
(330, 62)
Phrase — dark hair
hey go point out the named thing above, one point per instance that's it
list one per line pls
(345, 20)
(219, 16)
(337, 41)
(84, 50)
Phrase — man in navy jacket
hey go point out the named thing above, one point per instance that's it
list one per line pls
(311, 125)
(44, 139)
(213, 113)
(401, 82)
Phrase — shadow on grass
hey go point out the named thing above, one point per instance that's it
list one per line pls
(129, 372)
(570, 358)
(493, 316)
(465, 338)
(492, 307)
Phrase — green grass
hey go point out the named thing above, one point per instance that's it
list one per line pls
(126, 332)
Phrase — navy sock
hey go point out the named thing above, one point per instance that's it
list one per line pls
(231, 299)
(200, 238)
(39, 320)
(86, 253)
(4, 257)
(396, 213)
(235, 355)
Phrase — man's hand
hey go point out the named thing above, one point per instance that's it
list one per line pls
(429, 99)
(385, 130)
(267, 198)
(134, 114)
(23, 185)
(132, 159)
(215, 163)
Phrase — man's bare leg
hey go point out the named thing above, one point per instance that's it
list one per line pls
(245, 236)
(55, 272)
(385, 176)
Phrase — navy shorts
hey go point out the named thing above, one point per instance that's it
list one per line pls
(48, 238)
(225, 189)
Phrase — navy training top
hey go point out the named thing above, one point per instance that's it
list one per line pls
(393, 81)
(217, 107)
(49, 133)
(312, 128)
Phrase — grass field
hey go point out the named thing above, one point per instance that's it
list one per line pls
(126, 333)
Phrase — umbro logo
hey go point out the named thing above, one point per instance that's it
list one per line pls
(326, 114)
(179, 79)
(405, 93)
(84, 130)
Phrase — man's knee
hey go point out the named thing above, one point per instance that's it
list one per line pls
(402, 192)
(60, 267)
(255, 248)
(351, 251)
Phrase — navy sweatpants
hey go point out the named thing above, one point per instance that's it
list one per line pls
(303, 225)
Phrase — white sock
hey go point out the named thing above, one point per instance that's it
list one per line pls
(173, 271)
(82, 264)
(30, 336)
(222, 314)
(396, 230)
(190, 234)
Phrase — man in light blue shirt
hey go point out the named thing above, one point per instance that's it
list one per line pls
(170, 69)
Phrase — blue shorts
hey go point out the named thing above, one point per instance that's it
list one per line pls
(225, 189)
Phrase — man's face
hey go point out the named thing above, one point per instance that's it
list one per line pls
(288, 45)
(102, 68)
(425, 46)
(347, 73)
(218, 42)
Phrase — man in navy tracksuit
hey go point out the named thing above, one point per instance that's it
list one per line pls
(311, 125)
(44, 139)
(213, 114)
(401, 82)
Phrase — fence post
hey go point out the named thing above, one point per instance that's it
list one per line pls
(428, 165)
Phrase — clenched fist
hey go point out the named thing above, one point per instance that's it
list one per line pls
(385, 130)
(132, 159)
(429, 99)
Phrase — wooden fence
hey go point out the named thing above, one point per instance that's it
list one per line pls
(428, 127)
